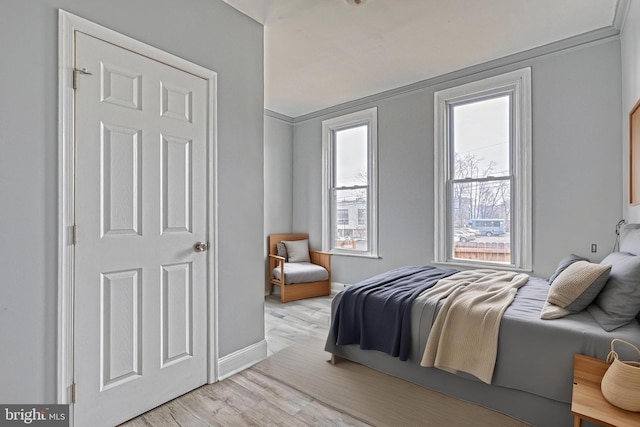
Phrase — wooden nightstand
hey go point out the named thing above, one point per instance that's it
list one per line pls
(588, 403)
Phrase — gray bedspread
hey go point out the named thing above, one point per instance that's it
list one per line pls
(534, 355)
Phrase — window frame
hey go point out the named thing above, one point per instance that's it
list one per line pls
(518, 84)
(368, 117)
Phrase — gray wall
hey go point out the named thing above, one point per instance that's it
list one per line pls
(206, 32)
(630, 41)
(278, 181)
(577, 194)
(278, 176)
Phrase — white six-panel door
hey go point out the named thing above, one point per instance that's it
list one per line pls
(141, 205)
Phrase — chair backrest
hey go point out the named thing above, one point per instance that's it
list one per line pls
(277, 238)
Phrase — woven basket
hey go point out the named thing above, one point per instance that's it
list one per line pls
(621, 383)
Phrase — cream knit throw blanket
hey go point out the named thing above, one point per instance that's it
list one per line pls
(464, 336)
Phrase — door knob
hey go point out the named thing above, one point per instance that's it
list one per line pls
(200, 247)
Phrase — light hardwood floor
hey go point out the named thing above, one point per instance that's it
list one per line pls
(287, 323)
(250, 398)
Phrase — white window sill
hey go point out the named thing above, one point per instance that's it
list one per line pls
(353, 254)
(491, 266)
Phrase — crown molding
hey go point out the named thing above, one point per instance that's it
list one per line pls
(278, 116)
(620, 17)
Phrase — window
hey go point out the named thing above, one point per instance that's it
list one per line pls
(342, 216)
(483, 172)
(349, 199)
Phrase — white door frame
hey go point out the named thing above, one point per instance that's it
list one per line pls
(67, 25)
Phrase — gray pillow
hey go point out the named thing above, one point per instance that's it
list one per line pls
(281, 250)
(298, 250)
(619, 302)
(630, 242)
(564, 263)
(574, 289)
(630, 238)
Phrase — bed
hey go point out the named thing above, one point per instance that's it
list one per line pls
(532, 377)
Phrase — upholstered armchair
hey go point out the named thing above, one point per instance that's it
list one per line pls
(298, 271)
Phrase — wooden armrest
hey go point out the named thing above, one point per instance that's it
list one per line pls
(320, 252)
(321, 258)
(276, 261)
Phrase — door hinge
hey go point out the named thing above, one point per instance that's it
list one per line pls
(74, 235)
(74, 392)
(77, 71)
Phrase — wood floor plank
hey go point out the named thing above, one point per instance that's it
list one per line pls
(211, 410)
(229, 395)
(278, 394)
(184, 416)
(318, 414)
(265, 414)
(168, 415)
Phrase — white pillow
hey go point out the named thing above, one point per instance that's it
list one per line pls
(298, 250)
(574, 289)
(578, 285)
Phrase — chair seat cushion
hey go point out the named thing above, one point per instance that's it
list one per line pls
(301, 272)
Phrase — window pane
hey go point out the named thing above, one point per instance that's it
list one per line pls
(351, 228)
(342, 216)
(481, 220)
(481, 138)
(351, 157)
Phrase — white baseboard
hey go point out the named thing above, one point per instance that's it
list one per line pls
(241, 359)
(337, 287)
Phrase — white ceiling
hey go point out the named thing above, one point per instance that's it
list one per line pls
(321, 53)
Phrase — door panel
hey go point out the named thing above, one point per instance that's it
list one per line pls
(176, 184)
(121, 327)
(141, 205)
(121, 180)
(177, 319)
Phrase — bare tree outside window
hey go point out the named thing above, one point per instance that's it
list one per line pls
(484, 199)
(481, 180)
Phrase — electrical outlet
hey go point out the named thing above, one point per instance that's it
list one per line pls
(594, 248)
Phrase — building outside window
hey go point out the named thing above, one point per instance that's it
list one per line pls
(350, 183)
(483, 172)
